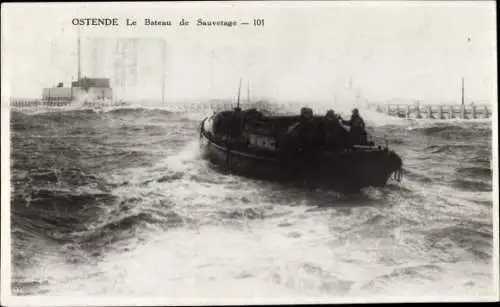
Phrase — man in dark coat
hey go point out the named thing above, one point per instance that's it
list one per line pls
(333, 133)
(304, 133)
(357, 124)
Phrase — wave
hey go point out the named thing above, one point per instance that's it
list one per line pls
(112, 230)
(453, 131)
(242, 214)
(57, 214)
(46, 121)
(54, 202)
(474, 171)
(437, 128)
(471, 185)
(87, 114)
(450, 148)
(474, 238)
(139, 111)
(417, 176)
(428, 272)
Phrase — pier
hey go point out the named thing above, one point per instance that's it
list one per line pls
(436, 111)
(21, 103)
(442, 111)
(33, 103)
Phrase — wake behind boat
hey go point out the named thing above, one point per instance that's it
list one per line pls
(298, 148)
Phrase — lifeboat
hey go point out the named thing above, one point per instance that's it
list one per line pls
(259, 145)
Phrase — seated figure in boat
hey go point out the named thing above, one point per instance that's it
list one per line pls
(357, 133)
(333, 134)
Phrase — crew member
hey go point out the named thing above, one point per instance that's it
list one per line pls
(333, 132)
(303, 134)
(357, 124)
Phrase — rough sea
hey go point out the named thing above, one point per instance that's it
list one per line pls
(118, 202)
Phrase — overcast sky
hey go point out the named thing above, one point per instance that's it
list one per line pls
(412, 50)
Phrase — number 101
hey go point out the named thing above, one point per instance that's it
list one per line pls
(258, 22)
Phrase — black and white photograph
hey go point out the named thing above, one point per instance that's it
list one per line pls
(249, 152)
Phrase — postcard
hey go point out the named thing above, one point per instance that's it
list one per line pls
(248, 153)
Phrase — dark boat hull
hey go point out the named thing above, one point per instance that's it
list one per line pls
(347, 169)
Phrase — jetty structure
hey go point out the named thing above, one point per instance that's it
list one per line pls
(85, 90)
(436, 111)
(89, 89)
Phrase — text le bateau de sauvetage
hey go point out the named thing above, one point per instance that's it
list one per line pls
(114, 22)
